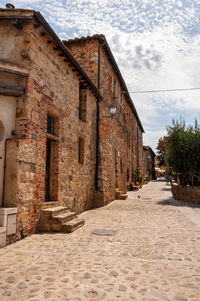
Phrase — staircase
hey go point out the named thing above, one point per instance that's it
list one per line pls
(59, 219)
(119, 195)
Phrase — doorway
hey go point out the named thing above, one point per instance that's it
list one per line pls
(48, 167)
(52, 171)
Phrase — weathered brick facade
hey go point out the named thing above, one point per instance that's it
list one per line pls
(53, 152)
(121, 135)
(52, 90)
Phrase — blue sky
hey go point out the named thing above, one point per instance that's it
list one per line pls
(155, 43)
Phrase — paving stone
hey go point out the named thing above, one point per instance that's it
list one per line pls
(147, 259)
(122, 288)
(114, 273)
(11, 279)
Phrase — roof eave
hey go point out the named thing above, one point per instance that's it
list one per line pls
(107, 49)
(28, 15)
(39, 18)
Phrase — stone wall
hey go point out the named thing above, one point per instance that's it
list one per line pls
(52, 153)
(186, 193)
(121, 145)
(52, 90)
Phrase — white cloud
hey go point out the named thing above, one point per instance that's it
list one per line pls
(156, 44)
(151, 137)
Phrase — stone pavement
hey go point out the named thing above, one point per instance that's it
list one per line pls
(154, 255)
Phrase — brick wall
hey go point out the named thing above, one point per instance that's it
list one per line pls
(52, 89)
(121, 145)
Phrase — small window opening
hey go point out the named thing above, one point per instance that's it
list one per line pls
(2, 131)
(121, 165)
(114, 88)
(128, 175)
(82, 102)
(51, 125)
(81, 150)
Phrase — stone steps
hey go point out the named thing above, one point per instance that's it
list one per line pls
(65, 217)
(59, 219)
(55, 210)
(49, 205)
(123, 196)
(73, 225)
(119, 195)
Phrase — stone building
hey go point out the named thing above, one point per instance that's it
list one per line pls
(121, 145)
(58, 143)
(148, 163)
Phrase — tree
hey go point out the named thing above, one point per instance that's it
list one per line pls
(161, 147)
(183, 151)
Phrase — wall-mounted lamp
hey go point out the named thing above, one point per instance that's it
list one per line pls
(113, 109)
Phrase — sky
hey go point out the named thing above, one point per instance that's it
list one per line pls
(156, 45)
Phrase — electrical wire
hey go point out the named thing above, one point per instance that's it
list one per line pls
(157, 91)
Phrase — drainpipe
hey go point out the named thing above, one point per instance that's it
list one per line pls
(98, 121)
(138, 148)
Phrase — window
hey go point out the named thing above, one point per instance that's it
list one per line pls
(128, 175)
(121, 165)
(82, 102)
(51, 125)
(124, 116)
(2, 130)
(128, 140)
(114, 88)
(81, 150)
(120, 98)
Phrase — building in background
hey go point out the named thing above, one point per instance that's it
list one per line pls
(159, 170)
(148, 164)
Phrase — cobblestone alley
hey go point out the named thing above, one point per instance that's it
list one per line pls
(153, 254)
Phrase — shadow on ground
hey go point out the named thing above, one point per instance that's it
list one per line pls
(176, 203)
(167, 189)
(159, 180)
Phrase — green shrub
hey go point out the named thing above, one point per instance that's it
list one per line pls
(183, 152)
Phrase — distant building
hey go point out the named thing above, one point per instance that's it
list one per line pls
(160, 170)
(59, 144)
(148, 163)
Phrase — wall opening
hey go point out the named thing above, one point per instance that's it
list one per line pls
(82, 102)
(52, 125)
(81, 150)
(116, 170)
(52, 159)
(2, 131)
(51, 177)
